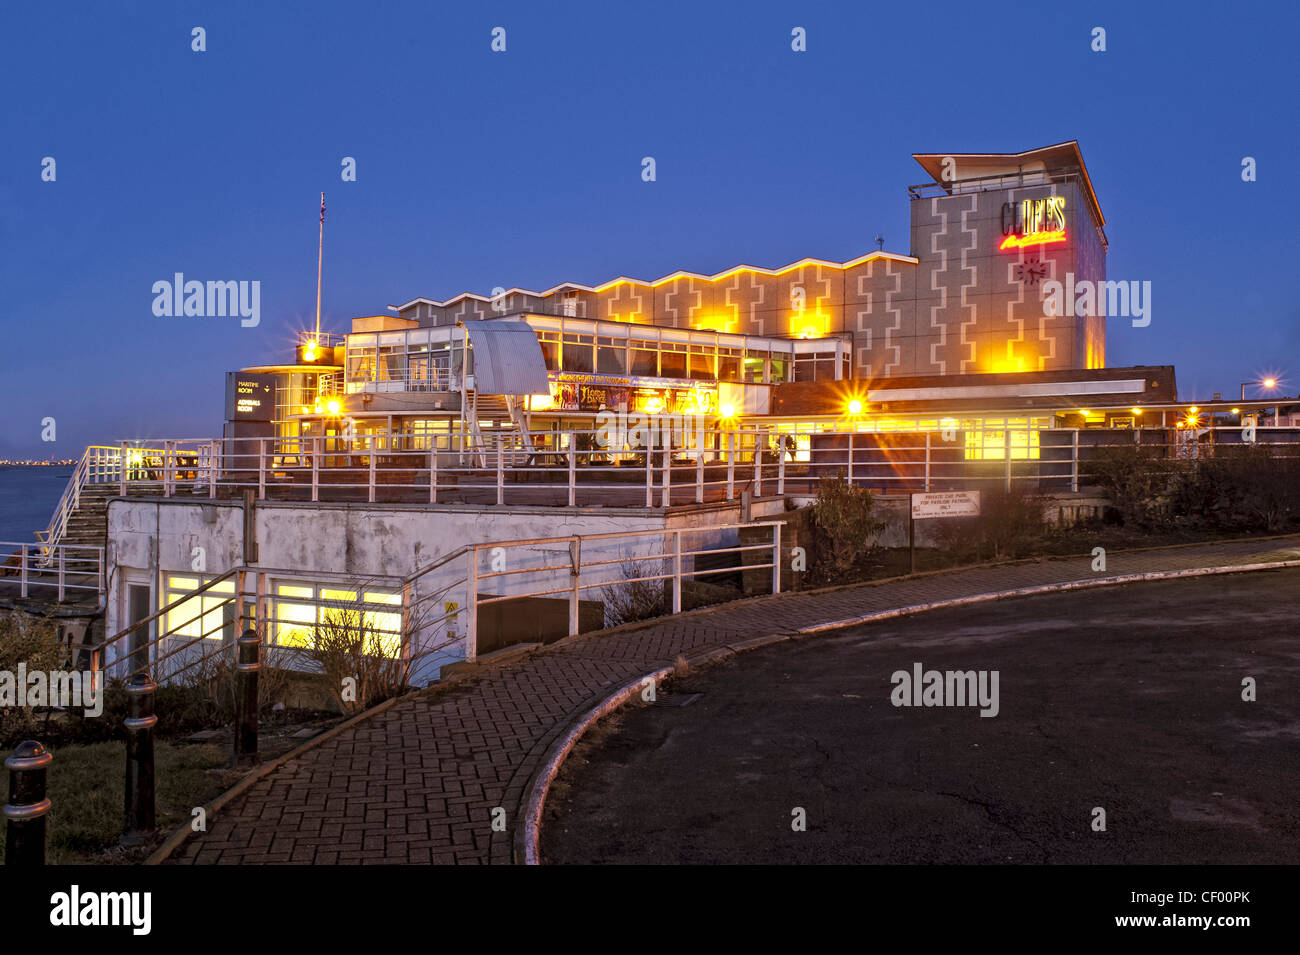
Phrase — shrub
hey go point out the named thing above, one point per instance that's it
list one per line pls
(34, 642)
(845, 529)
(1010, 524)
(349, 644)
(636, 599)
(1136, 480)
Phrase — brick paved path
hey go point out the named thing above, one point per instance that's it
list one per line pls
(418, 782)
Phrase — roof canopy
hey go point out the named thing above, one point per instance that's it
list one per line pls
(507, 358)
(1062, 157)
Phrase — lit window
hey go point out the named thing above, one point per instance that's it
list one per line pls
(203, 616)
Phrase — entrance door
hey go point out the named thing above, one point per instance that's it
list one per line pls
(138, 607)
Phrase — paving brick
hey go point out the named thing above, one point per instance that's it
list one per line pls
(418, 783)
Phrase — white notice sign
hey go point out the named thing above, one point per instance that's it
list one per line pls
(946, 504)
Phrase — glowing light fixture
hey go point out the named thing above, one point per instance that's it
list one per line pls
(1033, 238)
(1236, 411)
(1191, 412)
(1136, 411)
(855, 406)
(728, 411)
(333, 406)
(1269, 382)
(309, 353)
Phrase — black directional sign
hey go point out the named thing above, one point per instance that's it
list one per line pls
(250, 397)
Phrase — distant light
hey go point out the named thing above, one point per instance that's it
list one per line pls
(333, 406)
(1085, 413)
(1236, 411)
(1136, 410)
(1269, 382)
(306, 410)
(1178, 424)
(309, 353)
(1191, 412)
(728, 411)
(855, 406)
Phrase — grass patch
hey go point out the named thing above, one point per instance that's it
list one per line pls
(86, 786)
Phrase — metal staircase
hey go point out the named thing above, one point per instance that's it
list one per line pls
(508, 434)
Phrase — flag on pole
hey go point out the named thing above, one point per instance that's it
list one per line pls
(322, 208)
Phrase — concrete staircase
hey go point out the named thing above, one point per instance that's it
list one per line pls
(88, 521)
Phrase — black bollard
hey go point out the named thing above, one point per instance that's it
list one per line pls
(140, 802)
(27, 806)
(246, 698)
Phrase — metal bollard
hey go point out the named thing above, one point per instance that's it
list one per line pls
(246, 698)
(140, 802)
(27, 806)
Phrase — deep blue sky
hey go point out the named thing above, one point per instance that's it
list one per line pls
(478, 169)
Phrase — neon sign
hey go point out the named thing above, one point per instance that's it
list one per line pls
(1033, 222)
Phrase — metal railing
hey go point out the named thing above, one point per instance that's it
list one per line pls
(67, 569)
(696, 466)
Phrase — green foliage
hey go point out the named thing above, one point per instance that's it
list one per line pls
(1227, 487)
(845, 528)
(1010, 525)
(1136, 480)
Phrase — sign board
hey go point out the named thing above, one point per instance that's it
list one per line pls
(946, 504)
(250, 397)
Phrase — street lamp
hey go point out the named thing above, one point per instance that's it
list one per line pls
(1269, 383)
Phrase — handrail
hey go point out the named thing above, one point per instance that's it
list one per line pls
(109, 641)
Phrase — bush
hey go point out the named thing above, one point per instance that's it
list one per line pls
(1010, 524)
(845, 529)
(34, 642)
(1228, 487)
(636, 599)
(1136, 480)
(350, 645)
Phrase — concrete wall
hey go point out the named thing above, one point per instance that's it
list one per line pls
(148, 539)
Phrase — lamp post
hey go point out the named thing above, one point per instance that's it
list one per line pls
(1269, 383)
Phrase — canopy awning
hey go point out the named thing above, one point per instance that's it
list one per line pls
(507, 358)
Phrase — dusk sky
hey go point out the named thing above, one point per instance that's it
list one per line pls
(477, 169)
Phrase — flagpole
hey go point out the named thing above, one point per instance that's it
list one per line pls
(320, 257)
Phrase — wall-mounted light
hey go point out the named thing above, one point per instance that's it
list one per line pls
(855, 406)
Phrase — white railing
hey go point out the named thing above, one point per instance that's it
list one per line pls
(98, 465)
(67, 569)
(698, 466)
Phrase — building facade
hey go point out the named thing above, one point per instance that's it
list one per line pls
(987, 233)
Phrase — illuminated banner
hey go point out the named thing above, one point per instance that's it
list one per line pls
(1033, 222)
(250, 397)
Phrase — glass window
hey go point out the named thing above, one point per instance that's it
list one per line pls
(780, 368)
(302, 610)
(700, 367)
(728, 364)
(610, 356)
(203, 616)
(550, 342)
(577, 355)
(645, 359)
(672, 363)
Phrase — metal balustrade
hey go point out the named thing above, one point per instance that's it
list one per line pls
(69, 570)
(572, 468)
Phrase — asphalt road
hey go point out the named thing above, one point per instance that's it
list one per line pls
(1125, 699)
